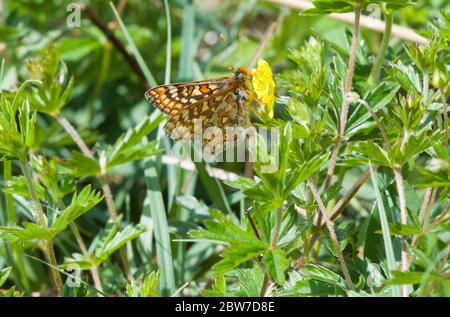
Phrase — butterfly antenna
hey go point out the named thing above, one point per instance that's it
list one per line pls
(227, 53)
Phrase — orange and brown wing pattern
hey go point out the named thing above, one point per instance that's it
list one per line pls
(172, 98)
(216, 112)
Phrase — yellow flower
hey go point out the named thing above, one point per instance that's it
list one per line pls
(264, 86)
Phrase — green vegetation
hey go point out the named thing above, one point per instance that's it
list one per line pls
(94, 202)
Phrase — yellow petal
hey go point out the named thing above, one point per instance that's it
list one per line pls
(264, 86)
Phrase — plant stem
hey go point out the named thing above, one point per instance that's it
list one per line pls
(426, 86)
(96, 279)
(41, 221)
(276, 232)
(383, 47)
(265, 285)
(84, 250)
(129, 59)
(426, 218)
(346, 102)
(404, 221)
(38, 214)
(377, 121)
(262, 44)
(74, 134)
(108, 197)
(252, 224)
(333, 236)
(341, 204)
(444, 105)
(9, 202)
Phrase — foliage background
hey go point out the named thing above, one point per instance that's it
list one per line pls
(158, 203)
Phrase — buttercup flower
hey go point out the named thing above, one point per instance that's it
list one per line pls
(264, 86)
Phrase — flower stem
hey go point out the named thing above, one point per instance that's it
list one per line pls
(41, 221)
(404, 221)
(333, 235)
(346, 101)
(383, 47)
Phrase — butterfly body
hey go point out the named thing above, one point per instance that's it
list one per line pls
(216, 103)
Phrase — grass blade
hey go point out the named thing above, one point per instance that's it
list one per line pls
(187, 42)
(148, 74)
(154, 205)
(169, 43)
(389, 250)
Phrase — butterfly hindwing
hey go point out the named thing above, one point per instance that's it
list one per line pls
(217, 112)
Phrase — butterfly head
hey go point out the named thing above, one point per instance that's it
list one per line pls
(241, 73)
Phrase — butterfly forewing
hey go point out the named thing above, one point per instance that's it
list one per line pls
(172, 98)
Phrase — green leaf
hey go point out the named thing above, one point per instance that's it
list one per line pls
(154, 209)
(403, 230)
(150, 285)
(80, 204)
(17, 185)
(400, 278)
(233, 257)
(305, 170)
(320, 273)
(4, 274)
(22, 235)
(224, 230)
(375, 153)
(119, 239)
(405, 76)
(79, 165)
(218, 289)
(16, 126)
(276, 263)
(129, 146)
(388, 248)
(250, 282)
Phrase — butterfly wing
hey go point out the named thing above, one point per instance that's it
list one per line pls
(218, 111)
(172, 98)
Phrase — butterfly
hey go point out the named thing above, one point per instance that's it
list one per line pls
(202, 109)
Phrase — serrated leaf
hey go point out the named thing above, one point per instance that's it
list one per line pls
(79, 165)
(22, 235)
(320, 273)
(406, 76)
(120, 238)
(129, 146)
(276, 263)
(374, 152)
(80, 204)
(150, 285)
